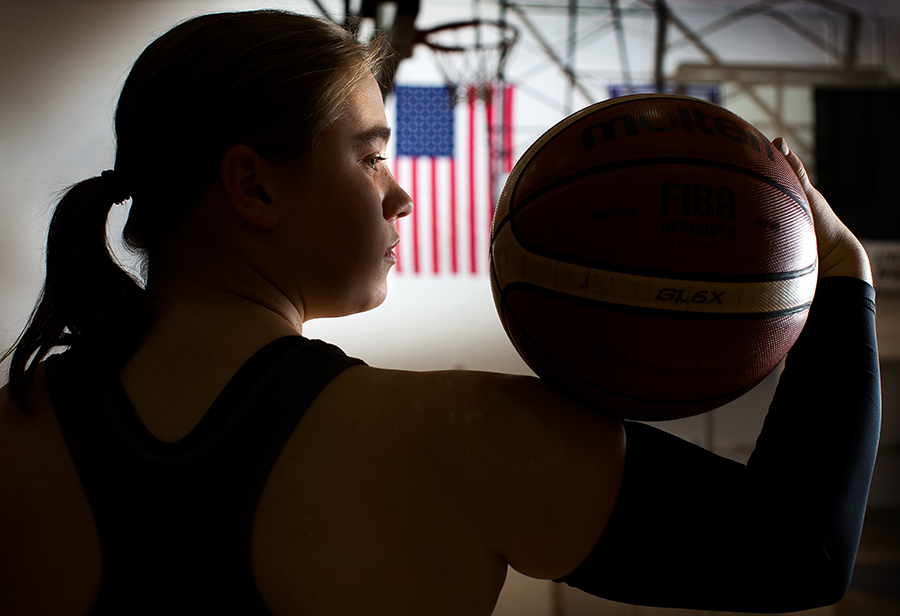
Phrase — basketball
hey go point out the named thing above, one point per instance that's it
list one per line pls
(653, 255)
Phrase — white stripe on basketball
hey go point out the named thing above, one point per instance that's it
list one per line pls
(512, 264)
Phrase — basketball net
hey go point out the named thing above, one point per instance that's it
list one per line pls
(470, 55)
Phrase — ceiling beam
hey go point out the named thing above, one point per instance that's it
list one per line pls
(548, 50)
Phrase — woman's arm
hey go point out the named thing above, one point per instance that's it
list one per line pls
(691, 529)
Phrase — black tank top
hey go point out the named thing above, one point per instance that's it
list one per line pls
(175, 519)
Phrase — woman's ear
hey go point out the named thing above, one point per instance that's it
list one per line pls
(245, 175)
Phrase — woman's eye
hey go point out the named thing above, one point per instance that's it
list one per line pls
(373, 161)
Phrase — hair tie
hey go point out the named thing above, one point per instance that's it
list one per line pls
(113, 181)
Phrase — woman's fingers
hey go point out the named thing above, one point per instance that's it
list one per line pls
(840, 253)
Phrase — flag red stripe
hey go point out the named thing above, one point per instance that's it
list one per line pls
(492, 150)
(414, 219)
(508, 126)
(472, 235)
(453, 257)
(435, 251)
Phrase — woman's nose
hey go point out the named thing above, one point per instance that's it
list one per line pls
(397, 203)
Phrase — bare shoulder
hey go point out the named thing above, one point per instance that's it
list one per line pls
(439, 480)
(449, 405)
(50, 560)
(538, 471)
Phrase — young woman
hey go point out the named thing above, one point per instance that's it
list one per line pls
(191, 452)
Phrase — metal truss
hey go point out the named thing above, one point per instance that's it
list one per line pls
(673, 19)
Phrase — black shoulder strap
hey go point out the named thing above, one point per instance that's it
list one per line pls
(175, 518)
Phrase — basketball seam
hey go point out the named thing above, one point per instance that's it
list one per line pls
(659, 273)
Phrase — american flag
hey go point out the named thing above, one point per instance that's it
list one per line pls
(443, 159)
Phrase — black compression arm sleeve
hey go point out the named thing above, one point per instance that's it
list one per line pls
(691, 529)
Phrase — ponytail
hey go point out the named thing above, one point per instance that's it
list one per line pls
(88, 302)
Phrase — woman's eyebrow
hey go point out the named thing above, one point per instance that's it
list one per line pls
(377, 133)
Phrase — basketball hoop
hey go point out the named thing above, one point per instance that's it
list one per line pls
(470, 54)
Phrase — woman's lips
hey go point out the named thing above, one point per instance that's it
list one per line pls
(389, 254)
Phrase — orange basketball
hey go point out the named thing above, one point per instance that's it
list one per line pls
(653, 255)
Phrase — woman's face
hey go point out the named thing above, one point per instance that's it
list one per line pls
(346, 208)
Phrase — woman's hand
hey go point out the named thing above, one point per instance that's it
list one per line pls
(840, 253)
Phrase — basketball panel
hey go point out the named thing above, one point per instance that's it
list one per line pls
(630, 129)
(644, 366)
(685, 218)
